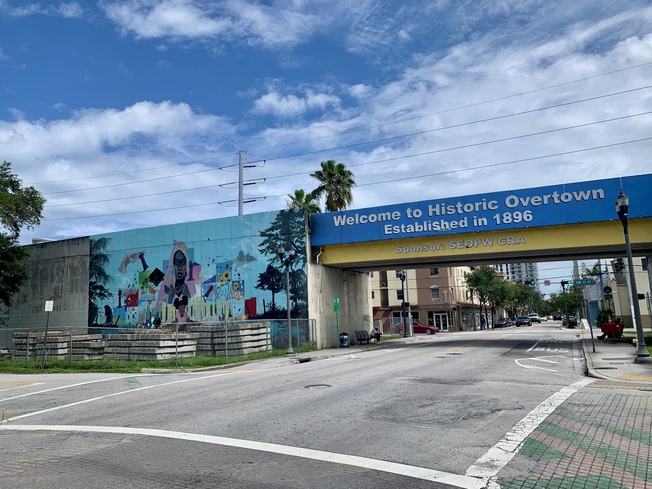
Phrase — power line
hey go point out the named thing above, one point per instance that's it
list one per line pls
(368, 127)
(386, 181)
(463, 124)
(454, 109)
(191, 162)
(455, 126)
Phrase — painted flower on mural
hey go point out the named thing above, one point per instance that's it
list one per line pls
(224, 277)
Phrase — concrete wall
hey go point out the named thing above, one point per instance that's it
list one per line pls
(353, 289)
(59, 273)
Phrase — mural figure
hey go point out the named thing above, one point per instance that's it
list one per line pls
(182, 315)
(178, 271)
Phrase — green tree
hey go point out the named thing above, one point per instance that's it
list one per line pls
(97, 277)
(483, 279)
(335, 184)
(20, 207)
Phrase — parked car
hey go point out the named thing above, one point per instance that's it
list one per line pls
(417, 327)
(504, 323)
(534, 317)
(556, 317)
(523, 321)
(571, 322)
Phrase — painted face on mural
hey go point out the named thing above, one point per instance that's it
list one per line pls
(179, 262)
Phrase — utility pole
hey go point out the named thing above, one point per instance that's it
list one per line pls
(240, 181)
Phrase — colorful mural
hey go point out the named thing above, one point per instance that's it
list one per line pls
(209, 271)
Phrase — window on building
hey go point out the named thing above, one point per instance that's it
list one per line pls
(434, 272)
(434, 293)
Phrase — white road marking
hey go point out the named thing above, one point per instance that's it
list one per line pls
(532, 367)
(114, 394)
(68, 386)
(456, 480)
(30, 384)
(502, 452)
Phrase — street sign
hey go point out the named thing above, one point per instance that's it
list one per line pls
(584, 281)
(336, 304)
(609, 297)
(546, 282)
(607, 290)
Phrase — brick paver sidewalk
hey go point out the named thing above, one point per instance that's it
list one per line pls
(600, 437)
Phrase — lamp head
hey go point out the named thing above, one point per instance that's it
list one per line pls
(622, 205)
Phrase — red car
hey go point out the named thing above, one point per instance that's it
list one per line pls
(422, 328)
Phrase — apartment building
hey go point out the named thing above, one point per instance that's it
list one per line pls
(519, 272)
(437, 296)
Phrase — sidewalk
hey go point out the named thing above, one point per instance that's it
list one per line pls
(600, 437)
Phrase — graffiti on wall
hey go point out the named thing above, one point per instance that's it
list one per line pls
(199, 276)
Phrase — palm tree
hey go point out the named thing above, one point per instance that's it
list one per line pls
(304, 200)
(335, 183)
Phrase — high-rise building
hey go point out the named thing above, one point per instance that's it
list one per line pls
(520, 272)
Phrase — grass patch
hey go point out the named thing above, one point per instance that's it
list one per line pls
(33, 366)
(646, 334)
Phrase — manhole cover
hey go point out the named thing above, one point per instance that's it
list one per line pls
(317, 386)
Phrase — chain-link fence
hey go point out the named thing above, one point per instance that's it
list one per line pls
(168, 341)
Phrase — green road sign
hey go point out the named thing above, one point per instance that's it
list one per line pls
(608, 297)
(584, 281)
(336, 304)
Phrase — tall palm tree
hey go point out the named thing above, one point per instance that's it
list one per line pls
(335, 183)
(303, 200)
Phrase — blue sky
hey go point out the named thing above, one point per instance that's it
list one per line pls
(131, 113)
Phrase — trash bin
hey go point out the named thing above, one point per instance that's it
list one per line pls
(344, 339)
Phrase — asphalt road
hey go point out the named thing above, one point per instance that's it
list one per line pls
(428, 412)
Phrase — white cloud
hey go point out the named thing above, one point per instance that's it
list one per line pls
(167, 18)
(254, 24)
(64, 9)
(292, 105)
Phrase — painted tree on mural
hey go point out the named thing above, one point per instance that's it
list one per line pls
(287, 230)
(272, 280)
(335, 184)
(98, 278)
(20, 207)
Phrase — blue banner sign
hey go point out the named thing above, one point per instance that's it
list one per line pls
(554, 205)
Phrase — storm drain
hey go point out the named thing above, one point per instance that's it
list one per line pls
(317, 386)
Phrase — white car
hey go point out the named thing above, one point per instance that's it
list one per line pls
(534, 317)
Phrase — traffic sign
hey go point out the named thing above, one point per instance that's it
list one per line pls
(546, 282)
(584, 281)
(607, 290)
(336, 304)
(608, 297)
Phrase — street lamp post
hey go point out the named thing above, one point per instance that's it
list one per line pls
(287, 261)
(471, 289)
(402, 275)
(563, 289)
(622, 209)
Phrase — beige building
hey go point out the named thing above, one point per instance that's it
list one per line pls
(437, 296)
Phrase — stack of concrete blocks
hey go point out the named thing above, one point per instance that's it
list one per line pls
(58, 345)
(232, 338)
(150, 344)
